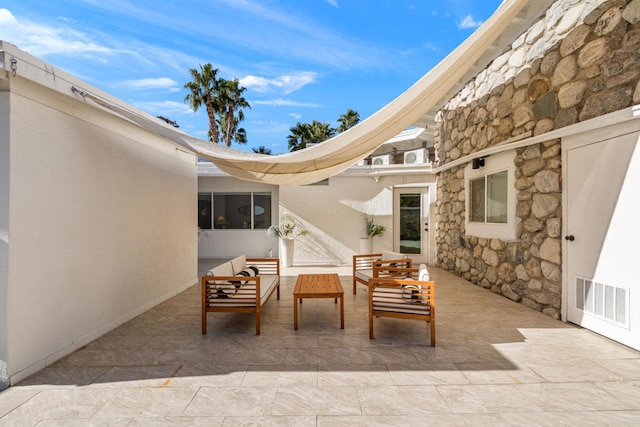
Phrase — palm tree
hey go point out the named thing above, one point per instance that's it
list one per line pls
(262, 150)
(348, 120)
(239, 135)
(204, 89)
(320, 131)
(299, 135)
(231, 101)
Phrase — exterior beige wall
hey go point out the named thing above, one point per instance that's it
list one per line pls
(4, 229)
(101, 225)
(334, 215)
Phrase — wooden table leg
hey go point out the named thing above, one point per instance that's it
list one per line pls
(342, 312)
(295, 312)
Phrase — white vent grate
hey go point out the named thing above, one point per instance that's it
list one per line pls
(606, 302)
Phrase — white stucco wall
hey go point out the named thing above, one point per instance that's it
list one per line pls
(230, 243)
(101, 224)
(334, 215)
(4, 233)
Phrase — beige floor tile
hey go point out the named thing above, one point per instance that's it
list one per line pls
(317, 401)
(483, 398)
(62, 404)
(498, 373)
(287, 376)
(14, 397)
(573, 397)
(402, 400)
(353, 375)
(147, 402)
(306, 356)
(271, 421)
(232, 401)
(420, 420)
(426, 374)
(625, 391)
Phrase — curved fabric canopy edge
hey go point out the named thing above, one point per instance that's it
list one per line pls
(322, 161)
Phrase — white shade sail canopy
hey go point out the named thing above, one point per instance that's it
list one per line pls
(342, 151)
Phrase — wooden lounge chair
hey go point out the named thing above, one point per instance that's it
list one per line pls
(408, 295)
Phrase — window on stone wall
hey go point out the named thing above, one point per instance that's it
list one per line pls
(235, 211)
(489, 198)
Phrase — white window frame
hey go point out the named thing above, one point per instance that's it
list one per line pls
(493, 164)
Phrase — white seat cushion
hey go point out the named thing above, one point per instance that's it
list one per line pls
(364, 274)
(392, 255)
(238, 264)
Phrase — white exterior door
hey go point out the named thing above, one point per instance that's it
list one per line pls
(411, 223)
(601, 232)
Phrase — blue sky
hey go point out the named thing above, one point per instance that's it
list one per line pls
(300, 60)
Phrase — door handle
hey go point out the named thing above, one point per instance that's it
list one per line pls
(570, 237)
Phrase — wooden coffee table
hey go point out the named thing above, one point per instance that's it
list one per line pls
(317, 286)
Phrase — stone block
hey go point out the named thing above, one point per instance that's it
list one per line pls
(536, 89)
(490, 257)
(532, 225)
(497, 244)
(547, 181)
(549, 62)
(533, 268)
(535, 285)
(572, 93)
(521, 273)
(507, 273)
(551, 250)
(631, 13)
(569, 19)
(551, 271)
(574, 40)
(629, 76)
(523, 208)
(524, 183)
(551, 151)
(565, 71)
(566, 117)
(544, 205)
(606, 101)
(554, 227)
(608, 21)
(509, 293)
(618, 61)
(543, 126)
(593, 52)
(545, 106)
(531, 152)
(533, 166)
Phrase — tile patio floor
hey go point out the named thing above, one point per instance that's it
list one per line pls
(497, 363)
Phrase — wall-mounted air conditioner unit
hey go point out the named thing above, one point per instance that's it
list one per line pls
(415, 157)
(381, 160)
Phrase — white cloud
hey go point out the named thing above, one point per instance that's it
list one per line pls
(285, 84)
(279, 102)
(295, 116)
(468, 22)
(40, 40)
(150, 83)
(333, 3)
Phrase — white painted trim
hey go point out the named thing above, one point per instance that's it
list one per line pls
(598, 124)
(496, 163)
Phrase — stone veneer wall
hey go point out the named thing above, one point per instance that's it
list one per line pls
(579, 61)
